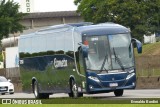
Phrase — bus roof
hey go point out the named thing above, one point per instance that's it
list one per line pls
(103, 28)
(84, 28)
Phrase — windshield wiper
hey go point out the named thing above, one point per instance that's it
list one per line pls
(104, 61)
(118, 60)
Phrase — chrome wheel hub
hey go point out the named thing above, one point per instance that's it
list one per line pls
(75, 90)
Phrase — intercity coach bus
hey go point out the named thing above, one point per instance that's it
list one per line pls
(78, 58)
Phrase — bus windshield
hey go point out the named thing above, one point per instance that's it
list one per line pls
(109, 52)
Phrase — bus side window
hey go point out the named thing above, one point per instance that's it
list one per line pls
(22, 45)
(28, 45)
(68, 42)
(50, 42)
(38, 44)
(59, 42)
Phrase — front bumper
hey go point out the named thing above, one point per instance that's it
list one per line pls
(7, 89)
(123, 81)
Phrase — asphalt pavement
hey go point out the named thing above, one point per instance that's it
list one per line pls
(141, 93)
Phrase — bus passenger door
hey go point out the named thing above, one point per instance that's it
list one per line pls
(81, 69)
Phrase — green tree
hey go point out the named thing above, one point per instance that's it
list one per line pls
(141, 16)
(9, 18)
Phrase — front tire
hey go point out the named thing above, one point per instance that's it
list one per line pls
(74, 90)
(36, 92)
(11, 93)
(118, 93)
(3, 93)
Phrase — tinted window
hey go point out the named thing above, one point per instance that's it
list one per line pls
(28, 45)
(77, 40)
(50, 42)
(39, 44)
(21, 45)
(59, 41)
(68, 43)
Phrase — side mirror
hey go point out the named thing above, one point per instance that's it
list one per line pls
(84, 50)
(138, 45)
(9, 80)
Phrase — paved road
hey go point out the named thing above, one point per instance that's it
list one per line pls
(147, 93)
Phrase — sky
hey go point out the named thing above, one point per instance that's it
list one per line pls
(52, 5)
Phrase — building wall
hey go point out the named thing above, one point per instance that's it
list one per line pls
(26, 22)
(42, 22)
(73, 19)
(37, 21)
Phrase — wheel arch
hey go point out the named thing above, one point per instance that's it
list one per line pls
(72, 78)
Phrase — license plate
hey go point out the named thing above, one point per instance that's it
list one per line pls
(113, 84)
(3, 89)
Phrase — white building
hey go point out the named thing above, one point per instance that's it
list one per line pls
(26, 6)
(149, 39)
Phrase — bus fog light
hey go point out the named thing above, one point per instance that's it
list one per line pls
(133, 84)
(91, 87)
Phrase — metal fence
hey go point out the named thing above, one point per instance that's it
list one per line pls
(148, 65)
(3, 72)
(12, 72)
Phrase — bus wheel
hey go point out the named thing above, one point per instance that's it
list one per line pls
(118, 92)
(74, 89)
(45, 96)
(80, 94)
(3, 93)
(36, 90)
(37, 94)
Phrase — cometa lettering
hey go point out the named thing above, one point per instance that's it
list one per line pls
(60, 63)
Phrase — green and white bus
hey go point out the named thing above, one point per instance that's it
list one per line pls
(78, 58)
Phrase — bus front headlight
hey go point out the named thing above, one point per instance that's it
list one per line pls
(130, 75)
(94, 78)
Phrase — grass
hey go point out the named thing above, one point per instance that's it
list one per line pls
(148, 72)
(147, 63)
(149, 49)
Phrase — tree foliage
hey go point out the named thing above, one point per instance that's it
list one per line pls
(141, 16)
(9, 18)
